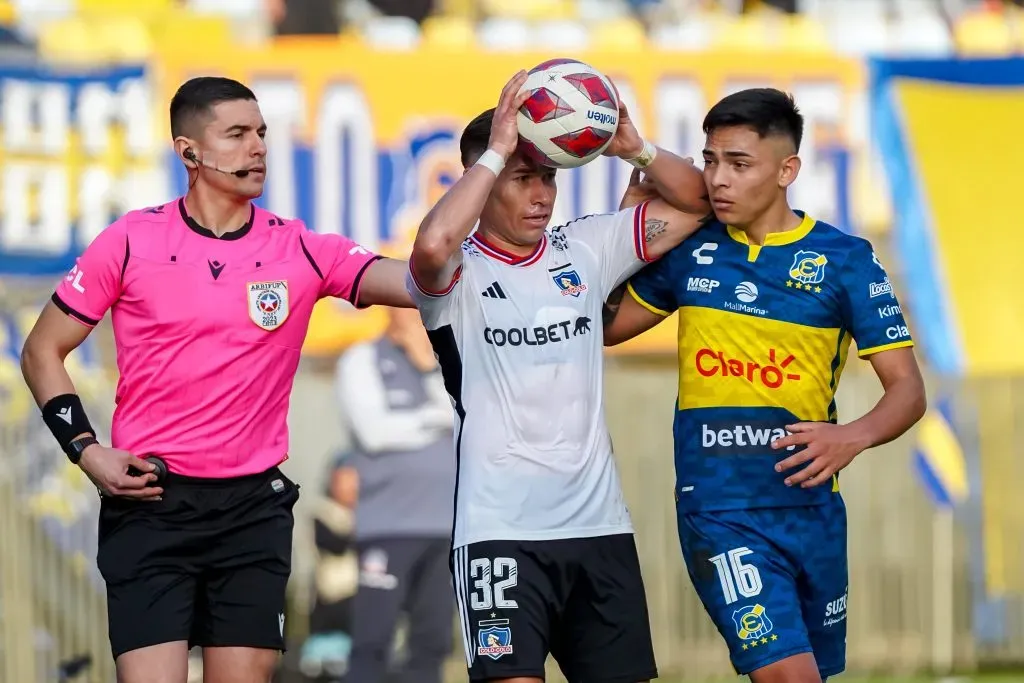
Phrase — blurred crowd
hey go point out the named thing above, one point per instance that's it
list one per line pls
(112, 30)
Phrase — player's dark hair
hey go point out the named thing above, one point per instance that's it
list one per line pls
(196, 97)
(475, 137)
(767, 110)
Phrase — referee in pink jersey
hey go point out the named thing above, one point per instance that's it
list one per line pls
(210, 299)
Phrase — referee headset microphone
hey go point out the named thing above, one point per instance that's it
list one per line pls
(191, 156)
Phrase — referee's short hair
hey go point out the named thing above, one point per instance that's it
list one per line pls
(196, 97)
(475, 138)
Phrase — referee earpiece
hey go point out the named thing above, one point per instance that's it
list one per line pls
(190, 155)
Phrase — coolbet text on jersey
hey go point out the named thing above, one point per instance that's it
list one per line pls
(764, 333)
(209, 330)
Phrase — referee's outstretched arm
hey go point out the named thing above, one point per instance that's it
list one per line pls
(53, 337)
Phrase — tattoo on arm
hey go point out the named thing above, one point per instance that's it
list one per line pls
(611, 306)
(652, 228)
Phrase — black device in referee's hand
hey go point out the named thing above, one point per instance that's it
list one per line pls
(160, 471)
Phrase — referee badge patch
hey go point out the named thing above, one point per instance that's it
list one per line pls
(268, 303)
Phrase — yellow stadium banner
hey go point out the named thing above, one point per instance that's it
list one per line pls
(362, 142)
(928, 117)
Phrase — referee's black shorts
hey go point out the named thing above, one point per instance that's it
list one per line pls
(208, 564)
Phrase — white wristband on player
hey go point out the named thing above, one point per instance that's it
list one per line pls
(646, 156)
(492, 161)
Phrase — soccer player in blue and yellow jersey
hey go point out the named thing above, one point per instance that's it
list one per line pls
(769, 299)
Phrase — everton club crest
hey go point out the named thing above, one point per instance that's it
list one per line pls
(268, 303)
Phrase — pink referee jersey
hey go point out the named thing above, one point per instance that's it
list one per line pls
(208, 330)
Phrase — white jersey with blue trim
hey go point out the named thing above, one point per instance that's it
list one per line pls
(520, 344)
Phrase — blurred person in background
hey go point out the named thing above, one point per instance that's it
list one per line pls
(326, 17)
(210, 300)
(304, 17)
(393, 399)
(417, 10)
(769, 300)
(785, 6)
(326, 651)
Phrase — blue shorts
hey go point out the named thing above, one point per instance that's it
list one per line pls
(774, 581)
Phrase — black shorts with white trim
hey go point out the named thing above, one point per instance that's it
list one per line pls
(580, 599)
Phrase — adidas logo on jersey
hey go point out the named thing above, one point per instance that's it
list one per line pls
(494, 292)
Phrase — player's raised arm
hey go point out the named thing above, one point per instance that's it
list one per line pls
(681, 205)
(436, 253)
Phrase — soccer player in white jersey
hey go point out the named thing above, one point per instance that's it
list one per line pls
(543, 553)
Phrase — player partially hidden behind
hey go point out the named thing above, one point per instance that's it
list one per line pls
(544, 559)
(210, 299)
(768, 301)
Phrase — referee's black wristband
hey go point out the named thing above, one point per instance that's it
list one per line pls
(66, 418)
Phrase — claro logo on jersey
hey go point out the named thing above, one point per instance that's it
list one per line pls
(540, 335)
(773, 374)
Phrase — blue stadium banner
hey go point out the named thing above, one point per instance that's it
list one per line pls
(76, 149)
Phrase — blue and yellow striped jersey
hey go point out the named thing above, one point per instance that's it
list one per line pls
(764, 333)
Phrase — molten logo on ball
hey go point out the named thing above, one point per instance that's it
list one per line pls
(571, 114)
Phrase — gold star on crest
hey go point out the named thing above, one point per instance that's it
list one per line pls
(753, 644)
(764, 641)
(817, 290)
(774, 637)
(789, 283)
(745, 647)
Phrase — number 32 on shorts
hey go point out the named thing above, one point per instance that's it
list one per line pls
(491, 578)
(739, 580)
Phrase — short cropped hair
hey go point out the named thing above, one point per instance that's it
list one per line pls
(475, 137)
(768, 111)
(196, 97)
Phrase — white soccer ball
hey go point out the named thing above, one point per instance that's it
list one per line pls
(571, 115)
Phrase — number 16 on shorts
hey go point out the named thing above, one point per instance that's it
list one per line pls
(739, 580)
(742, 581)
